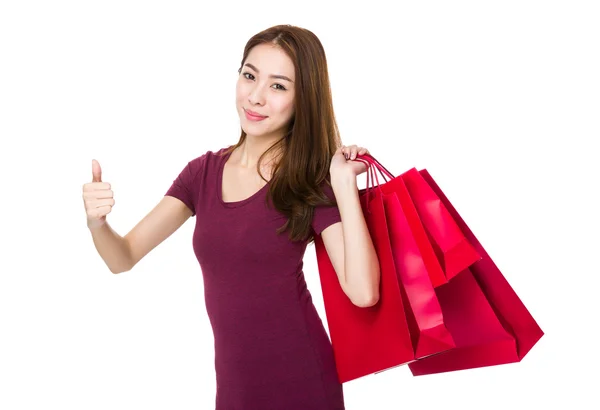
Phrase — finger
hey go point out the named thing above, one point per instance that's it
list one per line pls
(96, 186)
(345, 151)
(99, 194)
(96, 171)
(353, 153)
(99, 212)
(103, 193)
(101, 203)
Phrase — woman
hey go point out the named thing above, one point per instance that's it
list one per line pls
(258, 204)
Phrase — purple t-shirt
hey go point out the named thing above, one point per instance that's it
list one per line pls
(271, 348)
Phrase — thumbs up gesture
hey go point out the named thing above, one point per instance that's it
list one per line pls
(97, 198)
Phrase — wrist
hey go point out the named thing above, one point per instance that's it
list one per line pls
(95, 224)
(343, 179)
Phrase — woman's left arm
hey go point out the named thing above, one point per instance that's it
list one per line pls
(349, 244)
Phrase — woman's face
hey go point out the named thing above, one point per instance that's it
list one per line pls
(265, 88)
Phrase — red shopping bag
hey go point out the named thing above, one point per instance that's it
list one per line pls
(374, 339)
(413, 256)
(396, 186)
(487, 319)
(453, 250)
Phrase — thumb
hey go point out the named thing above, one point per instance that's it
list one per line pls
(96, 171)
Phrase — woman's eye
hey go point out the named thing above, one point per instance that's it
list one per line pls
(249, 76)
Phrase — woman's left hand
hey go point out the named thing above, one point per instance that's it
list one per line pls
(344, 160)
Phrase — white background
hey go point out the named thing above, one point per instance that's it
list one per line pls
(499, 100)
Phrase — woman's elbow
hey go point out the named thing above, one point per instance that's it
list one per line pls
(366, 300)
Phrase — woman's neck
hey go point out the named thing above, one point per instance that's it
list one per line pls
(251, 149)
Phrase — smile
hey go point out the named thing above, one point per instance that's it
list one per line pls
(253, 117)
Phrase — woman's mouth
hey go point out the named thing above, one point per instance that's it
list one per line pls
(252, 116)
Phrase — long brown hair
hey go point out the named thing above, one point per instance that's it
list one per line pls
(305, 151)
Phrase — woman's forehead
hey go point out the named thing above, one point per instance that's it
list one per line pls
(269, 60)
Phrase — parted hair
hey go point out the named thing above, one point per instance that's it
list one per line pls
(303, 155)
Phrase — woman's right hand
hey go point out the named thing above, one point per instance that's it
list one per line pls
(97, 198)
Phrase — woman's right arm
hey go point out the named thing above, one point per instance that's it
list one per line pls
(121, 254)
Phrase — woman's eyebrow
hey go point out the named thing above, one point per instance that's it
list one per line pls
(278, 76)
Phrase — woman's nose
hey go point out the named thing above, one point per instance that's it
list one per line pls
(256, 96)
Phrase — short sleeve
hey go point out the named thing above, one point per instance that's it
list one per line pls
(325, 215)
(185, 187)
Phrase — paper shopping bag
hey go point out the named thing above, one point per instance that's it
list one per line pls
(445, 239)
(409, 245)
(487, 319)
(396, 187)
(373, 339)
(452, 248)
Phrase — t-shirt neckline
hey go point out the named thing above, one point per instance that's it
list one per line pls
(234, 204)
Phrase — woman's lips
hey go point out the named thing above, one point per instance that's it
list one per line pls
(252, 116)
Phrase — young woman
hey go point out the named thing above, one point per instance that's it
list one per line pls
(258, 204)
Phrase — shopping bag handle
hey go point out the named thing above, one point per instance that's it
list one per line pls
(369, 177)
(372, 176)
(383, 170)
